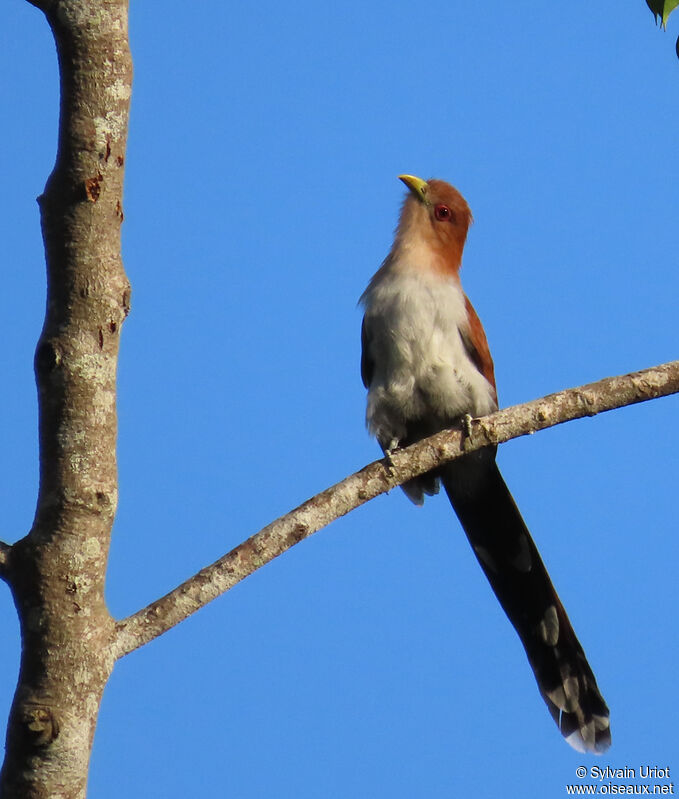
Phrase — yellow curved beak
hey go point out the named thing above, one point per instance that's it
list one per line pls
(416, 185)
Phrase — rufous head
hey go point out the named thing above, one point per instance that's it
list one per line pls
(436, 214)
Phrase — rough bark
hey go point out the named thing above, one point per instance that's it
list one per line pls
(56, 573)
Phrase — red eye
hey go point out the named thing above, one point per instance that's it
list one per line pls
(442, 213)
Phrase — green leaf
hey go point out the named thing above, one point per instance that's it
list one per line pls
(662, 9)
(656, 7)
(668, 8)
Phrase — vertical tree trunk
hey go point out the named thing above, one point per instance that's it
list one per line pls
(57, 572)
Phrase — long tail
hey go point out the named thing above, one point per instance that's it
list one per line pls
(517, 575)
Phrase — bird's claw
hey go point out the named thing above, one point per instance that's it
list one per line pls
(467, 430)
(390, 449)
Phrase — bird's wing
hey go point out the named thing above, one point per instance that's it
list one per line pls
(476, 344)
(367, 363)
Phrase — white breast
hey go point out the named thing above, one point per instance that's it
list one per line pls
(422, 369)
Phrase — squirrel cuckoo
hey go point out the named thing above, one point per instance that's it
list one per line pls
(426, 365)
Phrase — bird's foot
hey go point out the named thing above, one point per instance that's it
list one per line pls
(467, 430)
(390, 449)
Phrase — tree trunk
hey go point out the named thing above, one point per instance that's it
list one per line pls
(57, 572)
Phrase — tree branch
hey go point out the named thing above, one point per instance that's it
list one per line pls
(377, 478)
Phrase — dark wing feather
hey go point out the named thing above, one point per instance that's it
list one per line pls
(367, 363)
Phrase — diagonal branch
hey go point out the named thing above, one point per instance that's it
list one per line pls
(377, 478)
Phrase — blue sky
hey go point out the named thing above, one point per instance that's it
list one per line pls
(261, 195)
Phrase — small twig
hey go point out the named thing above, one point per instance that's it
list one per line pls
(4, 558)
(375, 479)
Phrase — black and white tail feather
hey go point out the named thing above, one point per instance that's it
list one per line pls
(511, 562)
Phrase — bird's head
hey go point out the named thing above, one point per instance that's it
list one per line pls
(437, 216)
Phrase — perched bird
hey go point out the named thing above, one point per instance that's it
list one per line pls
(426, 365)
